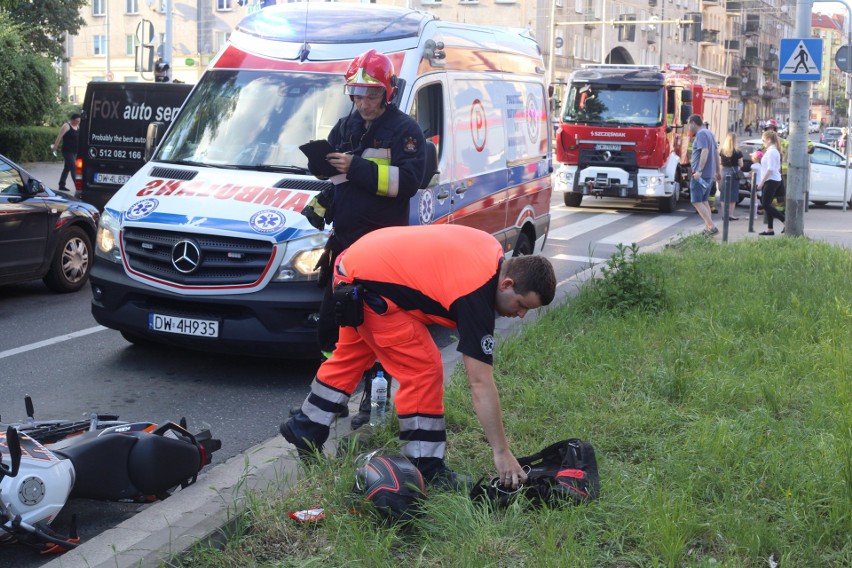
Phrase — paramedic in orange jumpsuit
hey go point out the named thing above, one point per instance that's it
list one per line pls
(449, 275)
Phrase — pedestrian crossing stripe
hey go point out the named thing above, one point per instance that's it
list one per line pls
(801, 60)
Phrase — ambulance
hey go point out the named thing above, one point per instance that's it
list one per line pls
(205, 247)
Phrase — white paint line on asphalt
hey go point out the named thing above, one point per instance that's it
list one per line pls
(51, 341)
(580, 227)
(573, 258)
(642, 231)
(557, 213)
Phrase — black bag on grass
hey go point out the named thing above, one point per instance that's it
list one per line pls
(564, 472)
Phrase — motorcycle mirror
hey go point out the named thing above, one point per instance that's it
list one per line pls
(13, 444)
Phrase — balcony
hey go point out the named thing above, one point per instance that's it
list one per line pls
(768, 92)
(732, 82)
(590, 17)
(770, 64)
(752, 26)
(732, 44)
(750, 61)
(709, 37)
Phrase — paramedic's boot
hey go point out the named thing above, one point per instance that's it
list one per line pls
(363, 416)
(438, 476)
(306, 435)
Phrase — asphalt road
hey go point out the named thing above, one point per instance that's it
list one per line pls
(52, 349)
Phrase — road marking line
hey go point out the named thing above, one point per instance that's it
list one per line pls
(576, 229)
(586, 259)
(51, 341)
(642, 231)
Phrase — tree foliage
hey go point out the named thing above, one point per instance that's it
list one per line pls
(28, 81)
(43, 23)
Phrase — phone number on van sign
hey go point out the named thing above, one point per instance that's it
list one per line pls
(117, 154)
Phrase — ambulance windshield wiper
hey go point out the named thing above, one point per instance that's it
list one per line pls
(272, 168)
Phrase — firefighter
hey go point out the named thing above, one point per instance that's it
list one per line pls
(412, 277)
(381, 159)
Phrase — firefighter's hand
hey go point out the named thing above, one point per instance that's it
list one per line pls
(340, 161)
(509, 470)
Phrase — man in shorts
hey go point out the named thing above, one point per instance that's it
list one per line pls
(706, 167)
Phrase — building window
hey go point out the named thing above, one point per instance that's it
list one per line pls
(99, 7)
(131, 6)
(219, 40)
(224, 5)
(130, 44)
(100, 44)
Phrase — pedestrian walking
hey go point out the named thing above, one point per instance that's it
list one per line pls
(69, 135)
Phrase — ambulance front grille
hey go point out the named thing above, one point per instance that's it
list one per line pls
(196, 260)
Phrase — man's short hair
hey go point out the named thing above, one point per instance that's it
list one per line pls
(696, 120)
(531, 274)
(75, 116)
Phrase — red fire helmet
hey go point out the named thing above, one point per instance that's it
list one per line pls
(371, 70)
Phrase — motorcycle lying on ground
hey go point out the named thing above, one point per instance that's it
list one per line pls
(99, 458)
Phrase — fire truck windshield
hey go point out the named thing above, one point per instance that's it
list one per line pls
(616, 105)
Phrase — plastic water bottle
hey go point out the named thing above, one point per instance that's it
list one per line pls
(378, 399)
(55, 155)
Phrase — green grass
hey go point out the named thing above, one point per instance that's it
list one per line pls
(722, 420)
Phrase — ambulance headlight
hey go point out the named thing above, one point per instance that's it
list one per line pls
(106, 242)
(300, 258)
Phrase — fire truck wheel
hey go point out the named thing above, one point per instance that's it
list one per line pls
(573, 199)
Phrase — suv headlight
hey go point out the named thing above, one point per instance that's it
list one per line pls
(106, 243)
(300, 258)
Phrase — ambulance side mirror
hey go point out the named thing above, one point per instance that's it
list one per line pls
(397, 93)
(431, 169)
(685, 113)
(153, 137)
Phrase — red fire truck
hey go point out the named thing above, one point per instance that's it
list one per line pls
(623, 132)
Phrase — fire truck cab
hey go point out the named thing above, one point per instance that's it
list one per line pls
(623, 134)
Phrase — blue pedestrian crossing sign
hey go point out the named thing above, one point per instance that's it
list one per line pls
(800, 60)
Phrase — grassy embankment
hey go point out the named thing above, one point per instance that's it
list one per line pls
(721, 412)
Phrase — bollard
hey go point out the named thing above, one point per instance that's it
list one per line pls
(752, 206)
(726, 205)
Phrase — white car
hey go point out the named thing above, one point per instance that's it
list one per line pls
(813, 126)
(828, 171)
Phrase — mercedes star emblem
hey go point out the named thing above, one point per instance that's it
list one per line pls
(186, 256)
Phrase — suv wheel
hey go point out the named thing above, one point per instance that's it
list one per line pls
(72, 261)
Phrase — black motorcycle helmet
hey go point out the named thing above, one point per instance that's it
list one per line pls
(391, 483)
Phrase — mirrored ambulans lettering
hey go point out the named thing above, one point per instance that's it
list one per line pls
(280, 198)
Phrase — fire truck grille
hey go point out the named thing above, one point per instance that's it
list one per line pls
(196, 260)
(624, 159)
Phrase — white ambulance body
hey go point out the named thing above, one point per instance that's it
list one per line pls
(205, 245)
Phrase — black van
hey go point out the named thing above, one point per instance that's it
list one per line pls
(113, 130)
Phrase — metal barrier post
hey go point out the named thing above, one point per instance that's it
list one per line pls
(727, 186)
(752, 205)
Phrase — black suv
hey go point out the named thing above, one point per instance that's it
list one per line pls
(43, 234)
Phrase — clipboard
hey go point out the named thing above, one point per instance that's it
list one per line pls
(316, 151)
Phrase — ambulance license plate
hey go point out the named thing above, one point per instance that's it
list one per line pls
(607, 147)
(117, 179)
(183, 326)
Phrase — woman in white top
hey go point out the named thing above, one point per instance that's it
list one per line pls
(770, 182)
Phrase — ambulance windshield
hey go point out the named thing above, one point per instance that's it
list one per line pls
(617, 105)
(254, 119)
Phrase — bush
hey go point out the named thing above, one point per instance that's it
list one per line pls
(629, 281)
(28, 143)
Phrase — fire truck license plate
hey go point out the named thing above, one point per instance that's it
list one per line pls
(183, 326)
(607, 147)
